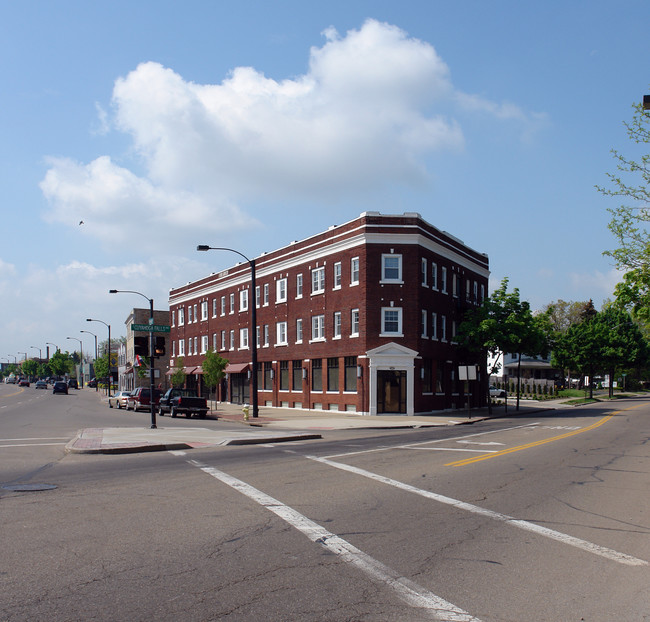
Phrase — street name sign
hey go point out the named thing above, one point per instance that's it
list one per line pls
(147, 328)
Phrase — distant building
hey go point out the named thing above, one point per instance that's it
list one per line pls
(359, 318)
(128, 362)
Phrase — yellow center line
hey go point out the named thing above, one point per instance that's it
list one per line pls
(503, 452)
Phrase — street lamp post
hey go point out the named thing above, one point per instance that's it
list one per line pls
(95, 336)
(39, 352)
(25, 355)
(109, 350)
(47, 343)
(151, 349)
(253, 322)
(81, 346)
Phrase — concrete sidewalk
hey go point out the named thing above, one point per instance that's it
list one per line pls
(273, 425)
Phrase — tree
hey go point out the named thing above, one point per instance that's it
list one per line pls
(213, 368)
(629, 222)
(178, 376)
(61, 363)
(563, 314)
(504, 323)
(30, 367)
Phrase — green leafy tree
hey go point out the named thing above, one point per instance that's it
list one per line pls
(61, 363)
(214, 366)
(632, 182)
(504, 323)
(178, 375)
(30, 368)
(44, 370)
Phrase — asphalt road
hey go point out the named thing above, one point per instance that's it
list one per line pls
(538, 519)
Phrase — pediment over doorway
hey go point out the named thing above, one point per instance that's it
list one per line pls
(392, 350)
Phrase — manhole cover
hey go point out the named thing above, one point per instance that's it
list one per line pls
(29, 487)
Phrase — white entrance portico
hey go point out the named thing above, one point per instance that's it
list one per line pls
(391, 383)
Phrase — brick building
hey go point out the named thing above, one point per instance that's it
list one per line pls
(360, 318)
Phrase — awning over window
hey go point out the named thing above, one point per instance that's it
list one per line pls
(236, 368)
(198, 370)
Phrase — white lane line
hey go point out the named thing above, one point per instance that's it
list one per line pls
(37, 438)
(430, 442)
(590, 547)
(407, 590)
(3, 446)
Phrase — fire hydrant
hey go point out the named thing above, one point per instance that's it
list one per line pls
(246, 414)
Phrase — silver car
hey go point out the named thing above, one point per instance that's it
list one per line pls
(119, 399)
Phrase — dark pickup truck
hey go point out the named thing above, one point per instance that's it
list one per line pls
(182, 402)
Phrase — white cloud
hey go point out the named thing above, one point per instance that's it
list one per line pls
(362, 117)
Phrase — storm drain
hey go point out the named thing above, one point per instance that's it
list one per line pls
(28, 487)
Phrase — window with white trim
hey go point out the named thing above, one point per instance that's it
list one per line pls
(204, 310)
(281, 334)
(434, 325)
(196, 313)
(223, 339)
(189, 314)
(434, 275)
(214, 342)
(232, 303)
(181, 316)
(318, 328)
(299, 331)
(391, 321)
(204, 344)
(243, 338)
(214, 307)
(354, 321)
(443, 328)
(258, 296)
(266, 294)
(181, 347)
(299, 286)
(337, 275)
(337, 325)
(266, 334)
(318, 280)
(424, 272)
(223, 305)
(425, 324)
(243, 300)
(232, 339)
(444, 280)
(354, 271)
(281, 290)
(391, 268)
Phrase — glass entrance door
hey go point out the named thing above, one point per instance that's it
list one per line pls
(391, 391)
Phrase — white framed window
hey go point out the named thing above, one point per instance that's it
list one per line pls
(391, 268)
(425, 324)
(482, 292)
(214, 342)
(214, 307)
(204, 344)
(243, 338)
(318, 328)
(232, 339)
(434, 275)
(258, 336)
(299, 331)
(232, 303)
(337, 275)
(243, 300)
(223, 339)
(475, 291)
(266, 335)
(391, 321)
(354, 271)
(173, 314)
(354, 322)
(443, 328)
(223, 305)
(266, 294)
(258, 296)
(299, 286)
(425, 272)
(318, 280)
(281, 334)
(337, 324)
(181, 347)
(281, 290)
(189, 314)
(434, 326)
(204, 310)
(196, 344)
(454, 285)
(181, 316)
(173, 349)
(443, 279)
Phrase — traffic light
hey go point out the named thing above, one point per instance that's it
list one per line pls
(159, 346)
(141, 346)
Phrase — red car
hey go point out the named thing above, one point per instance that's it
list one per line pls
(139, 399)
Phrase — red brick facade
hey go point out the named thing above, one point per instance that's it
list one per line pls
(380, 301)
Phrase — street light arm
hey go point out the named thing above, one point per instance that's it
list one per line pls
(129, 291)
(205, 247)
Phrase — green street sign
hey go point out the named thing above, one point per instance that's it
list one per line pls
(147, 328)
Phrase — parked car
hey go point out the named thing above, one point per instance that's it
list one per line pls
(183, 402)
(139, 399)
(40, 384)
(119, 400)
(10, 380)
(73, 384)
(496, 392)
(23, 382)
(60, 387)
(92, 383)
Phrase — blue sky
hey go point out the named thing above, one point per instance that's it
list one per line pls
(163, 125)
